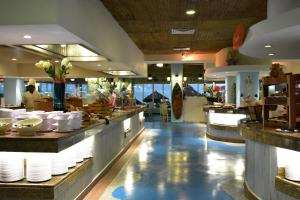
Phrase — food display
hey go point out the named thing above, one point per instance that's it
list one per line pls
(28, 127)
(44, 103)
(5, 124)
(101, 107)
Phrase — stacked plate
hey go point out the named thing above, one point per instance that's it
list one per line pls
(6, 113)
(59, 164)
(76, 119)
(88, 147)
(70, 157)
(38, 167)
(11, 166)
(47, 121)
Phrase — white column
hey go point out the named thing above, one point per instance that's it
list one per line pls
(13, 91)
(247, 83)
(230, 81)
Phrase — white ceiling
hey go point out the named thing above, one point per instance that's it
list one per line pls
(222, 72)
(281, 32)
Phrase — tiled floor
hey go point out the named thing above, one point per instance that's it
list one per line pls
(175, 161)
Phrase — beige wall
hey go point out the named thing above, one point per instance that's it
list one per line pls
(292, 66)
(221, 58)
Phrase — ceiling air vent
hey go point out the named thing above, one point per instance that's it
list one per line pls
(182, 31)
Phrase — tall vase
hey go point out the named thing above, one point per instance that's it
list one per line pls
(59, 96)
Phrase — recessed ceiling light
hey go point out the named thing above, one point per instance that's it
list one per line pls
(57, 61)
(72, 79)
(13, 59)
(181, 48)
(271, 54)
(200, 78)
(99, 65)
(190, 12)
(27, 36)
(150, 78)
(268, 46)
(63, 45)
(159, 64)
(168, 78)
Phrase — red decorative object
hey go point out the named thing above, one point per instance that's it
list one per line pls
(238, 36)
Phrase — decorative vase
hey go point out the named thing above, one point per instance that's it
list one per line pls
(59, 96)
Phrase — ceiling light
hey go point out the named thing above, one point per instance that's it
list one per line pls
(200, 78)
(268, 46)
(72, 79)
(63, 45)
(181, 48)
(119, 73)
(168, 78)
(150, 78)
(184, 78)
(99, 65)
(57, 61)
(27, 36)
(159, 64)
(190, 12)
(13, 59)
(271, 54)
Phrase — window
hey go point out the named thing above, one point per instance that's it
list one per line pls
(46, 88)
(147, 90)
(70, 89)
(138, 92)
(167, 91)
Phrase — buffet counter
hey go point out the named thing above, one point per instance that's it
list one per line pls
(104, 144)
(222, 123)
(272, 163)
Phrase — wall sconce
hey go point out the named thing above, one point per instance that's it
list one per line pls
(200, 78)
(184, 78)
(168, 78)
(149, 77)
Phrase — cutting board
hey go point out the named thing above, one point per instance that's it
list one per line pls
(177, 101)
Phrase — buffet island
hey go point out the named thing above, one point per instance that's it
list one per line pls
(222, 123)
(63, 163)
(272, 163)
(273, 145)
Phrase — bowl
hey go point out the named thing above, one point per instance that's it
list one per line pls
(5, 125)
(28, 127)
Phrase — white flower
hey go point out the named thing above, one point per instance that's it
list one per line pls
(46, 65)
(69, 66)
(65, 62)
(39, 64)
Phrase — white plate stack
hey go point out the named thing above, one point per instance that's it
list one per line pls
(70, 157)
(11, 166)
(88, 147)
(6, 113)
(38, 167)
(59, 164)
(47, 122)
(79, 152)
(76, 119)
(63, 122)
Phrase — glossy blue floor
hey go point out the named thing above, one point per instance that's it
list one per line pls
(176, 161)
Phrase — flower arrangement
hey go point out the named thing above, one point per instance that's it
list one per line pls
(57, 73)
